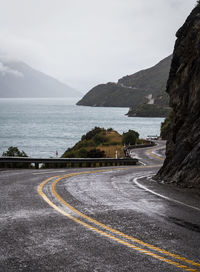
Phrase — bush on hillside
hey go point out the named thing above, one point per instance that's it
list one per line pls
(96, 153)
(130, 137)
(89, 135)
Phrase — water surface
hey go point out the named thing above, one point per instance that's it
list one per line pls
(42, 126)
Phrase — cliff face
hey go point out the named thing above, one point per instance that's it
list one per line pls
(182, 164)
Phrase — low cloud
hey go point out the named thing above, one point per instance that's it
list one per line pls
(84, 43)
(5, 70)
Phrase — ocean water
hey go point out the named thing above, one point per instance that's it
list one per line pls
(41, 127)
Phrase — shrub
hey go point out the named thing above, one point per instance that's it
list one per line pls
(96, 153)
(92, 133)
(13, 151)
(82, 153)
(100, 139)
(130, 137)
(110, 129)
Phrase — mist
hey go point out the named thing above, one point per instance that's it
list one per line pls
(84, 43)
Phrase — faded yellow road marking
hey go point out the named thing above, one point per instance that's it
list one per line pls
(149, 152)
(40, 187)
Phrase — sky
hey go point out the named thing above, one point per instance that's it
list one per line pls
(88, 42)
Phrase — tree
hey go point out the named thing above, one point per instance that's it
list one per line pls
(130, 137)
(13, 151)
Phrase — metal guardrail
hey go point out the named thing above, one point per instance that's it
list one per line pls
(26, 162)
(149, 144)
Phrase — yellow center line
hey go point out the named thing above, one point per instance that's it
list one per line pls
(149, 152)
(40, 187)
(109, 228)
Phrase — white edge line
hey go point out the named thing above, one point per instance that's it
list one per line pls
(162, 196)
(157, 154)
(142, 163)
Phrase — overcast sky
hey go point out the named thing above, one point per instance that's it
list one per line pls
(87, 42)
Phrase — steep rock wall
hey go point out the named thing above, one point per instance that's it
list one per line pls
(182, 164)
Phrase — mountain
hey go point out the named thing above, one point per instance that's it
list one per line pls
(131, 91)
(17, 79)
(182, 164)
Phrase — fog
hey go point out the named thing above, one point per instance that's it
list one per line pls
(84, 43)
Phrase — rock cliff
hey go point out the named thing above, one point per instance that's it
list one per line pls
(182, 164)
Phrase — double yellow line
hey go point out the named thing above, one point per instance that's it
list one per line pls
(149, 152)
(111, 233)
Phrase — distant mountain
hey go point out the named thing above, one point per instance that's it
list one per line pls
(17, 79)
(144, 87)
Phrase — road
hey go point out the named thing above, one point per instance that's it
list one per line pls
(101, 219)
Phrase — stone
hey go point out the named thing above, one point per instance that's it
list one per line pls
(182, 164)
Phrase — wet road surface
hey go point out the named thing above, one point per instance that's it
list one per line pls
(110, 219)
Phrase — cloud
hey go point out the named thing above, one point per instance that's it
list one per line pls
(88, 42)
(5, 70)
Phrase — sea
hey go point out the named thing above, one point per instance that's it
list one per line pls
(41, 127)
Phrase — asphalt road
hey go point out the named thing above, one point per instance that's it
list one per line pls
(110, 219)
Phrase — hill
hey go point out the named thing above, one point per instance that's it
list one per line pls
(17, 79)
(143, 87)
(100, 142)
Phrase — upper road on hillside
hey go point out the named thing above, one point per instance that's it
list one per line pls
(110, 219)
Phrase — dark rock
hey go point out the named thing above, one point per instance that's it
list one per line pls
(182, 164)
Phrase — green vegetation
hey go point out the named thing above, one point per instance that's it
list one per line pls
(87, 147)
(13, 151)
(150, 110)
(165, 127)
(162, 100)
(130, 137)
(132, 91)
(112, 95)
(100, 143)
(96, 153)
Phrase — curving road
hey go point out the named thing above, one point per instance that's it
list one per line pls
(110, 219)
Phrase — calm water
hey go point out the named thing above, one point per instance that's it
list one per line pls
(42, 126)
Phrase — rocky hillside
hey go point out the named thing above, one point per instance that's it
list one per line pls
(182, 164)
(131, 91)
(18, 79)
(159, 107)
